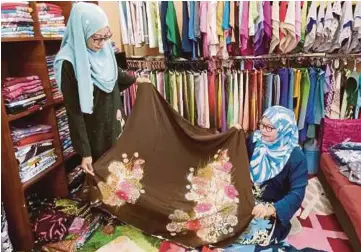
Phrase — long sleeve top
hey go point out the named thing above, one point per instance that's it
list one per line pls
(93, 134)
(287, 189)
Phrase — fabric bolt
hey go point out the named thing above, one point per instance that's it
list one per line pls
(125, 205)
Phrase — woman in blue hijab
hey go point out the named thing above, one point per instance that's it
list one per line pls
(278, 170)
(88, 76)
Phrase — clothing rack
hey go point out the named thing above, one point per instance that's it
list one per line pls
(161, 62)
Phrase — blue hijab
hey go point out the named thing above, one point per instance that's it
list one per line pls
(91, 68)
(269, 158)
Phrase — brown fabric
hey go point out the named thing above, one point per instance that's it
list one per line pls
(166, 156)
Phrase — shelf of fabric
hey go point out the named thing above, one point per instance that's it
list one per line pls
(28, 112)
(38, 177)
(20, 39)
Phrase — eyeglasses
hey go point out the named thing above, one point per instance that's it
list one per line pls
(265, 127)
(98, 40)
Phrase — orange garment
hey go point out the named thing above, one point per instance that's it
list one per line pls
(253, 98)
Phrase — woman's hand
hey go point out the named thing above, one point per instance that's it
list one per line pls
(87, 165)
(142, 80)
(237, 126)
(263, 211)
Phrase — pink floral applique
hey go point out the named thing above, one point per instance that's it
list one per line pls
(216, 198)
(123, 183)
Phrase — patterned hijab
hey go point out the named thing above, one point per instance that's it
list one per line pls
(269, 158)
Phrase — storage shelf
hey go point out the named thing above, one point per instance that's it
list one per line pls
(38, 177)
(20, 39)
(52, 38)
(28, 112)
(66, 158)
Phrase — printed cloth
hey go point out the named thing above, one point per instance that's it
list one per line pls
(181, 175)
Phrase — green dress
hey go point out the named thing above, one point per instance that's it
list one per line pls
(93, 134)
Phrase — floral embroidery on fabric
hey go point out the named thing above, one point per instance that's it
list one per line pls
(259, 232)
(123, 184)
(216, 201)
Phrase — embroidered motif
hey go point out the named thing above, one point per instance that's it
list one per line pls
(123, 184)
(216, 201)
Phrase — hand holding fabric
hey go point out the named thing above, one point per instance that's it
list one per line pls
(87, 165)
(263, 211)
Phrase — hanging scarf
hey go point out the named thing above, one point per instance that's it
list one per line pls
(91, 68)
(268, 159)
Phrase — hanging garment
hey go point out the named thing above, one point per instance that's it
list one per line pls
(127, 181)
(235, 98)
(345, 36)
(351, 94)
(297, 94)
(291, 84)
(186, 97)
(205, 105)
(173, 91)
(246, 45)
(319, 98)
(355, 46)
(260, 95)
(230, 104)
(336, 42)
(310, 111)
(298, 22)
(203, 12)
(284, 77)
(179, 90)
(275, 26)
(329, 90)
(167, 93)
(123, 23)
(336, 101)
(320, 37)
(159, 26)
(268, 90)
(219, 100)
(276, 90)
(212, 100)
(311, 26)
(173, 36)
(305, 92)
(333, 11)
(289, 42)
(259, 37)
(160, 83)
(192, 107)
(152, 24)
(199, 98)
(283, 12)
(253, 101)
(241, 98)
(224, 105)
(186, 42)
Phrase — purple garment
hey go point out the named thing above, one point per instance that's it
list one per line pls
(224, 119)
(263, 31)
(21, 85)
(284, 77)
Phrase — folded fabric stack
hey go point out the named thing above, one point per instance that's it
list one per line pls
(64, 133)
(22, 93)
(51, 20)
(16, 19)
(34, 149)
(51, 71)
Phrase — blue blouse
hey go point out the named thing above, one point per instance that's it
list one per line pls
(287, 189)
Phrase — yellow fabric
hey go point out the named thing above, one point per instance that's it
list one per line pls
(220, 10)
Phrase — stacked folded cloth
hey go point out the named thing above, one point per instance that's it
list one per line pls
(51, 18)
(22, 93)
(16, 19)
(64, 133)
(34, 149)
(51, 71)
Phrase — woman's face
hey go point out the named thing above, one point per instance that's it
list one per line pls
(98, 39)
(269, 133)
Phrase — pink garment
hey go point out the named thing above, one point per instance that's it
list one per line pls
(21, 85)
(203, 12)
(160, 83)
(23, 90)
(246, 44)
(10, 81)
(298, 21)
